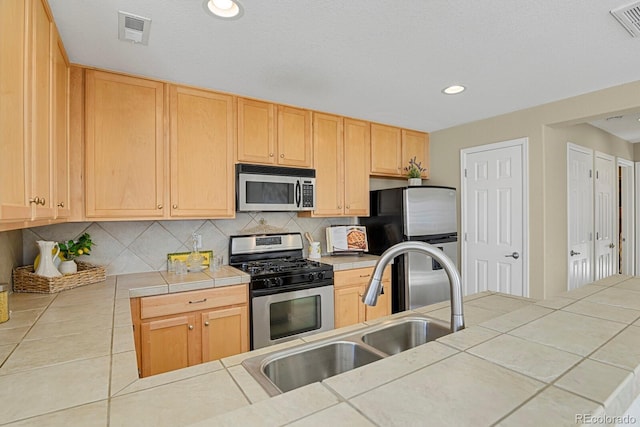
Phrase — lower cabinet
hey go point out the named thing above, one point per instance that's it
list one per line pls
(174, 331)
(349, 286)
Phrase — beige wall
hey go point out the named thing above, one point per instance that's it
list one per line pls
(543, 126)
(10, 253)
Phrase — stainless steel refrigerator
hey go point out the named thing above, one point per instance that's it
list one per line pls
(424, 213)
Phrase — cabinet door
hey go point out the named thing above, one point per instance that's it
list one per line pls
(201, 153)
(61, 129)
(167, 344)
(42, 148)
(124, 146)
(225, 332)
(15, 167)
(386, 152)
(328, 162)
(348, 305)
(294, 137)
(416, 144)
(357, 140)
(256, 132)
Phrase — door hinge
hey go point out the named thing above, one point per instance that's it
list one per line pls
(465, 236)
(597, 175)
(590, 173)
(465, 172)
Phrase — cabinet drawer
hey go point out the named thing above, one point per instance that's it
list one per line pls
(357, 276)
(184, 302)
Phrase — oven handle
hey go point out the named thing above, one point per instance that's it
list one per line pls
(298, 193)
(272, 291)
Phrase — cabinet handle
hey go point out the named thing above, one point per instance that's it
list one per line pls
(43, 201)
(348, 206)
(35, 200)
(198, 301)
(159, 206)
(61, 205)
(364, 275)
(206, 323)
(270, 154)
(191, 327)
(175, 206)
(282, 156)
(339, 206)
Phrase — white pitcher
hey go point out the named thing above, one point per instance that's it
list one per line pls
(46, 267)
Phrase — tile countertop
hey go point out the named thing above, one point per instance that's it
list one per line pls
(69, 359)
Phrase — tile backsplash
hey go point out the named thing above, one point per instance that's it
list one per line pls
(140, 246)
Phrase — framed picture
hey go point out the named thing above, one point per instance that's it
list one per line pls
(182, 256)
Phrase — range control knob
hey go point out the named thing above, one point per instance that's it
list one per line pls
(311, 277)
(320, 275)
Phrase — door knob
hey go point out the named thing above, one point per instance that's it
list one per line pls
(514, 255)
(611, 245)
(572, 253)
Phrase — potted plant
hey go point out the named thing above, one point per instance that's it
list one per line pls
(414, 172)
(71, 250)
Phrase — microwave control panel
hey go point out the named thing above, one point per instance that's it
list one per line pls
(307, 195)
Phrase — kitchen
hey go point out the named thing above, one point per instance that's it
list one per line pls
(538, 123)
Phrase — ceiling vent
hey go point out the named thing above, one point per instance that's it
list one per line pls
(629, 17)
(133, 28)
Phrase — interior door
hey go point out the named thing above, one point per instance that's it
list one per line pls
(605, 180)
(626, 233)
(494, 218)
(579, 215)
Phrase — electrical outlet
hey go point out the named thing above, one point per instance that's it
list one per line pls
(199, 241)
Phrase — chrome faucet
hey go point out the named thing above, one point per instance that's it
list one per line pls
(375, 283)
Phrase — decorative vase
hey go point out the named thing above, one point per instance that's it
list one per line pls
(46, 267)
(415, 181)
(68, 267)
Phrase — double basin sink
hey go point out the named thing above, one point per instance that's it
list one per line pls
(298, 366)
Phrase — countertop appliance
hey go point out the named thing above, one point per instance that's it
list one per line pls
(421, 213)
(274, 188)
(289, 296)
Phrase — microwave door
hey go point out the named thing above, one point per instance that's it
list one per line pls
(266, 193)
(298, 194)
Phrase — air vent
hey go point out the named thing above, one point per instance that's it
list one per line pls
(629, 17)
(133, 28)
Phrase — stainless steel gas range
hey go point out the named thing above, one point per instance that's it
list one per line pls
(290, 296)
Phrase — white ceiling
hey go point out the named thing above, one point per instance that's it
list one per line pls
(384, 61)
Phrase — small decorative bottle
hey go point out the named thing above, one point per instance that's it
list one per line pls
(195, 260)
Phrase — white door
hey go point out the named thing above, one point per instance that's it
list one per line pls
(579, 215)
(494, 218)
(605, 247)
(626, 233)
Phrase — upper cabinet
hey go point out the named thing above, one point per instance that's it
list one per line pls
(201, 153)
(341, 161)
(15, 167)
(125, 160)
(392, 148)
(294, 137)
(273, 134)
(60, 129)
(33, 114)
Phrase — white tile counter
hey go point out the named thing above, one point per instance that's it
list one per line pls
(69, 360)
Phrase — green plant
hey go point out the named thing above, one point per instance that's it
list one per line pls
(71, 249)
(415, 169)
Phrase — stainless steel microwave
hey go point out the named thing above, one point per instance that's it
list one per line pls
(274, 188)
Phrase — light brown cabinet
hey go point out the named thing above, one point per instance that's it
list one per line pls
(60, 129)
(201, 153)
(349, 286)
(124, 141)
(273, 134)
(392, 148)
(341, 161)
(33, 75)
(174, 331)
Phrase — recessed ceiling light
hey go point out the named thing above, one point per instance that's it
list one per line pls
(227, 9)
(453, 90)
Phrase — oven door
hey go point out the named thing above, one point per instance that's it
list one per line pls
(289, 315)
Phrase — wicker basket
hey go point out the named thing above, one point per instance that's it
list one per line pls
(24, 280)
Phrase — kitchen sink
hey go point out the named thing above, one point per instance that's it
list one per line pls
(310, 365)
(288, 369)
(404, 334)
